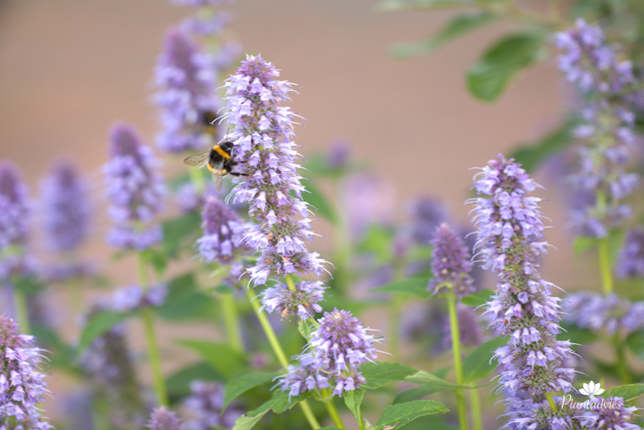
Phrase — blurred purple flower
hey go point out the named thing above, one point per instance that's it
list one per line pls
(367, 199)
(630, 263)
(65, 207)
(22, 385)
(338, 155)
(469, 327)
(134, 298)
(135, 191)
(163, 419)
(263, 133)
(596, 312)
(609, 413)
(187, 98)
(450, 263)
(510, 225)
(189, 200)
(204, 407)
(59, 272)
(426, 214)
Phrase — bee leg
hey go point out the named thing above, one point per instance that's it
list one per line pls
(237, 174)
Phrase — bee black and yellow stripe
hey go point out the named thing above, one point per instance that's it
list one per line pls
(221, 152)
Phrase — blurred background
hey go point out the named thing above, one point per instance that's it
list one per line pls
(70, 68)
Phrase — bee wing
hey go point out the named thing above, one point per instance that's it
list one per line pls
(217, 179)
(198, 160)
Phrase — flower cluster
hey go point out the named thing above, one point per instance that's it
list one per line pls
(630, 263)
(187, 97)
(595, 312)
(336, 350)
(592, 64)
(450, 262)
(22, 385)
(134, 298)
(302, 302)
(205, 407)
(14, 224)
(188, 199)
(608, 413)
(263, 133)
(163, 419)
(222, 239)
(509, 225)
(135, 190)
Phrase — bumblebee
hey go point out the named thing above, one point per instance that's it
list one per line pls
(218, 160)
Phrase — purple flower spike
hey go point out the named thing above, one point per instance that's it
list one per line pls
(303, 302)
(426, 213)
(65, 207)
(335, 352)
(450, 262)
(163, 419)
(204, 407)
(22, 385)
(14, 223)
(609, 413)
(630, 263)
(263, 133)
(222, 234)
(135, 191)
(510, 226)
(187, 98)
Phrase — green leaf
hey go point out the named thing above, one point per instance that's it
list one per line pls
(417, 392)
(226, 361)
(635, 342)
(97, 325)
(628, 392)
(304, 327)
(403, 413)
(62, 355)
(532, 154)
(243, 383)
(186, 302)
(584, 243)
(477, 365)
(384, 372)
(28, 285)
(490, 76)
(457, 26)
(477, 299)
(391, 5)
(615, 241)
(316, 198)
(424, 378)
(377, 240)
(178, 231)
(248, 422)
(353, 400)
(416, 287)
(178, 383)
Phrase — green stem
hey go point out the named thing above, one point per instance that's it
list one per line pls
(330, 407)
(290, 283)
(231, 321)
(22, 312)
(475, 407)
(342, 245)
(458, 365)
(622, 366)
(394, 325)
(279, 353)
(551, 402)
(604, 265)
(153, 348)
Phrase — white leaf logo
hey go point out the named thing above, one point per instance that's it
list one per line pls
(592, 389)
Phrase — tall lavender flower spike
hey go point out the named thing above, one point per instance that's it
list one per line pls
(630, 263)
(426, 214)
(596, 312)
(22, 385)
(163, 419)
(592, 65)
(187, 96)
(510, 225)
(263, 133)
(204, 407)
(14, 223)
(222, 239)
(450, 262)
(303, 302)
(65, 207)
(337, 349)
(135, 191)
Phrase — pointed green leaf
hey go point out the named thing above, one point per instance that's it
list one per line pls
(316, 198)
(635, 342)
(532, 154)
(438, 384)
(584, 243)
(180, 232)
(457, 26)
(490, 76)
(353, 400)
(403, 413)
(381, 373)
(220, 356)
(418, 392)
(477, 299)
(416, 287)
(628, 392)
(98, 325)
(478, 364)
(186, 302)
(247, 422)
(243, 383)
